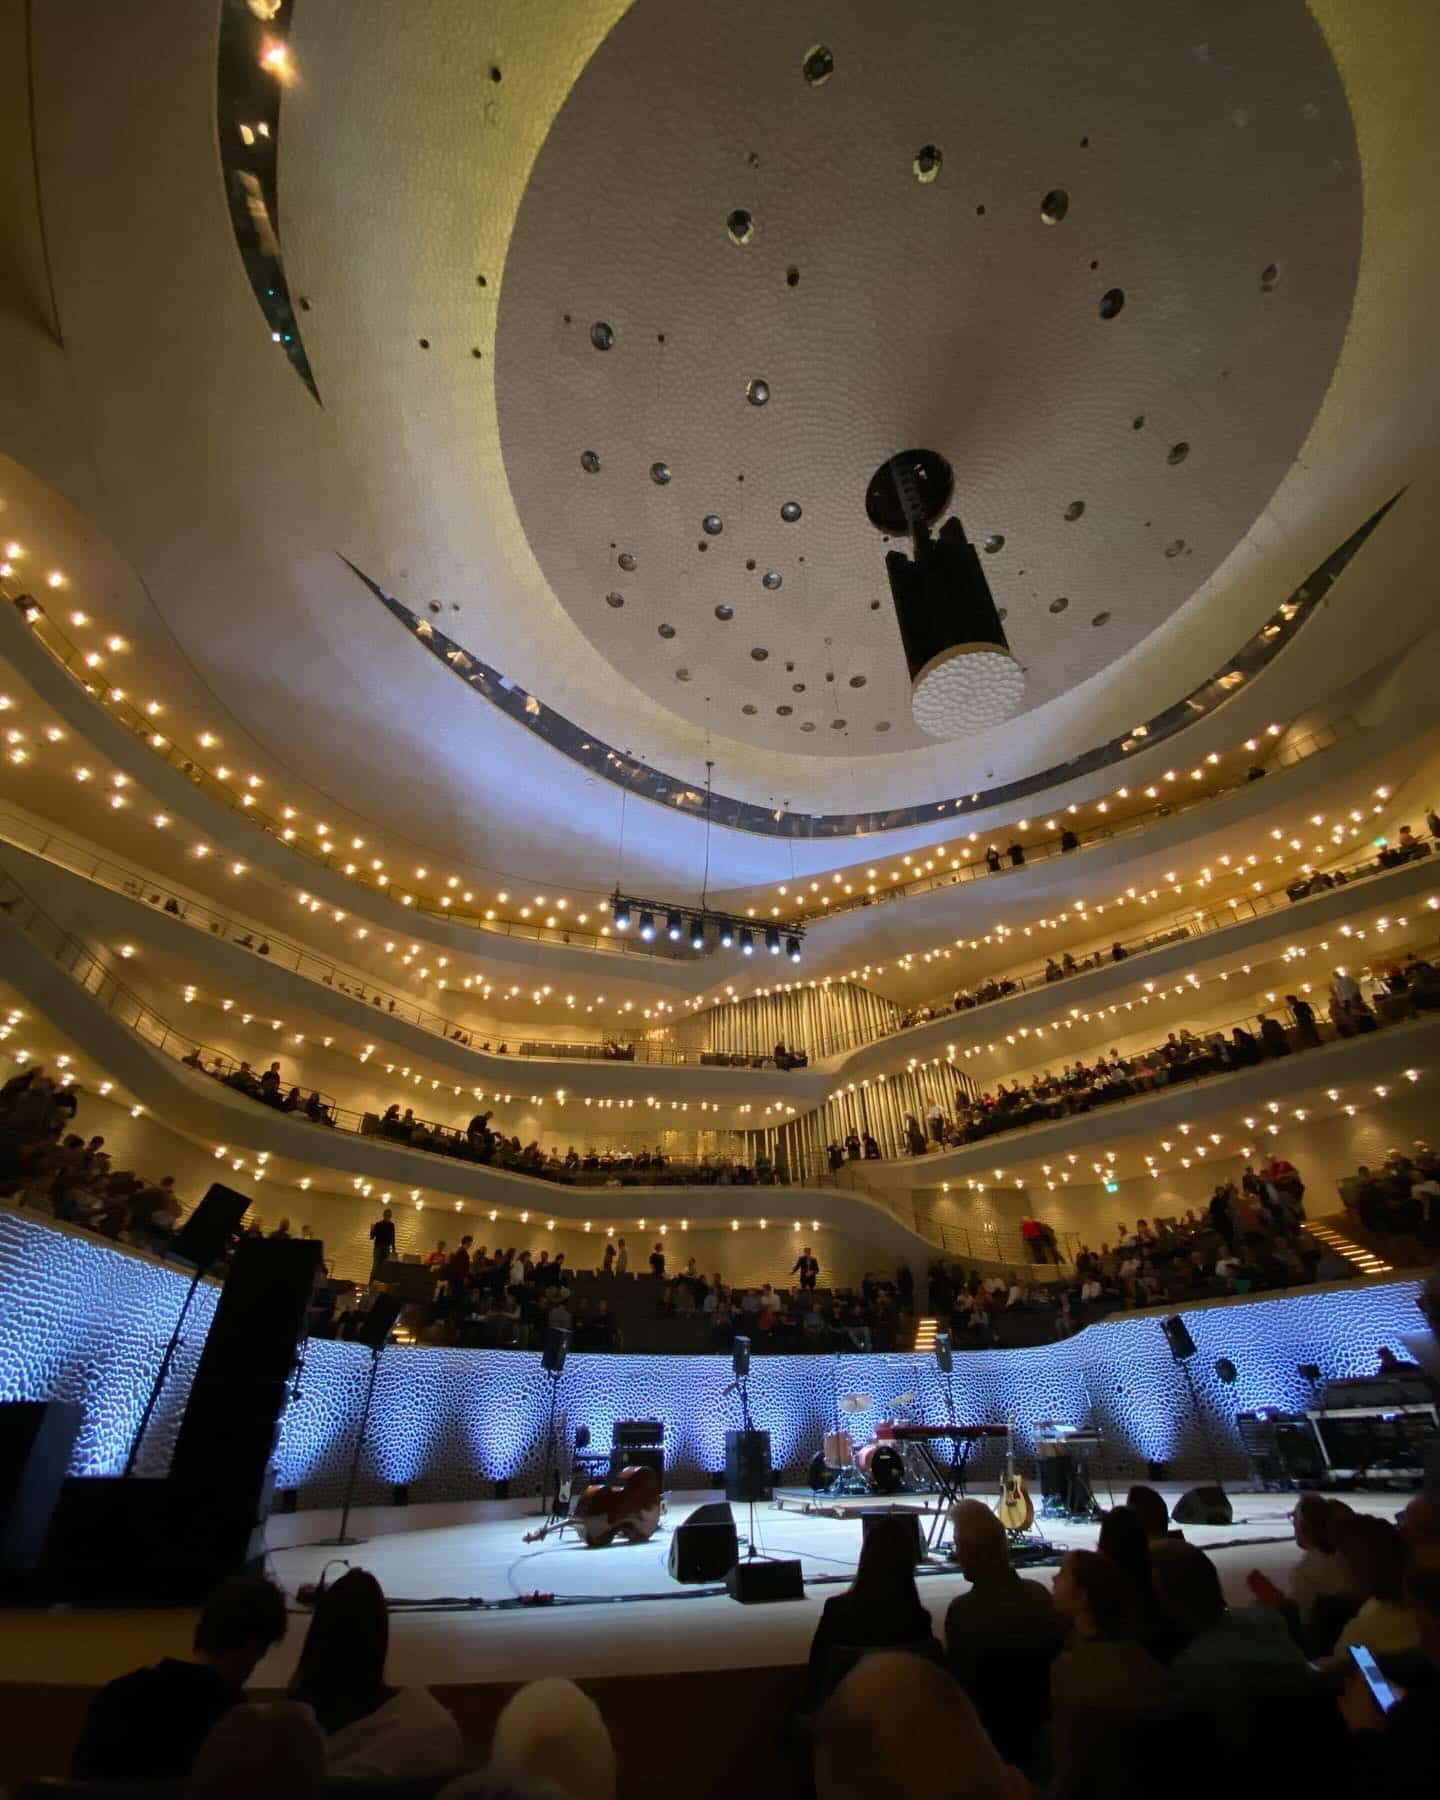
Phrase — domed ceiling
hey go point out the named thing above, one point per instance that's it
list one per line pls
(535, 259)
(1106, 272)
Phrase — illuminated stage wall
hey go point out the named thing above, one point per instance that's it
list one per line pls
(83, 1321)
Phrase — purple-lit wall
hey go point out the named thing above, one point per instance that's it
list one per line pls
(84, 1321)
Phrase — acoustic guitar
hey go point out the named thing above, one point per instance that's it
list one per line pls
(1014, 1509)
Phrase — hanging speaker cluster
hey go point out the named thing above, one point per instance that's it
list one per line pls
(963, 677)
(701, 927)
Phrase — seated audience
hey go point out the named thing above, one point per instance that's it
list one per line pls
(1105, 1689)
(1396, 1755)
(898, 1727)
(276, 1749)
(552, 1732)
(1233, 1662)
(1001, 1636)
(880, 1610)
(1124, 1541)
(1373, 1553)
(373, 1732)
(1320, 1579)
(1152, 1512)
(149, 1725)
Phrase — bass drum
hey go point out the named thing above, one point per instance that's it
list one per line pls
(882, 1466)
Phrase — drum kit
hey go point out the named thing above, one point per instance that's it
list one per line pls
(881, 1466)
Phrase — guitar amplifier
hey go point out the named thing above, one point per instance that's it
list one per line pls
(639, 1456)
(633, 1434)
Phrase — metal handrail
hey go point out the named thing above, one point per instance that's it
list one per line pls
(1198, 924)
(1286, 755)
(71, 659)
(134, 884)
(997, 1246)
(73, 956)
(1326, 1033)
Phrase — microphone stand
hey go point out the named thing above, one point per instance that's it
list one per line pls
(170, 1350)
(342, 1539)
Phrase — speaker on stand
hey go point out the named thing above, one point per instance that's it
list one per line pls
(1210, 1499)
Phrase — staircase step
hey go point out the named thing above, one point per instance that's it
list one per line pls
(1364, 1259)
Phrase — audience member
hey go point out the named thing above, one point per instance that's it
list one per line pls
(1396, 1755)
(550, 1731)
(373, 1732)
(1001, 1636)
(880, 1610)
(898, 1727)
(1149, 1506)
(1320, 1575)
(1125, 1542)
(1234, 1662)
(149, 1725)
(275, 1749)
(1104, 1688)
(1373, 1553)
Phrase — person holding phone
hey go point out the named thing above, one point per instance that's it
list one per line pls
(1392, 1704)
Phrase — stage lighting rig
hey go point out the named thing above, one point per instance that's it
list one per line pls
(662, 923)
(963, 677)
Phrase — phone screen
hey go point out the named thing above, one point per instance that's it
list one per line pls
(1385, 1695)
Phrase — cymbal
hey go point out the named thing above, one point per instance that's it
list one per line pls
(856, 1403)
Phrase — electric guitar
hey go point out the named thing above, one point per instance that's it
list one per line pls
(1014, 1509)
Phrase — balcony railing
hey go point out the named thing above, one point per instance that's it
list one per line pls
(1285, 755)
(1198, 924)
(134, 884)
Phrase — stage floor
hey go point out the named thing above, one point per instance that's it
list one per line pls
(639, 1620)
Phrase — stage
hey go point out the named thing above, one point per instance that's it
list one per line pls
(617, 1611)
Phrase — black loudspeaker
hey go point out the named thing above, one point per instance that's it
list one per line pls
(205, 1236)
(1182, 1345)
(557, 1343)
(118, 1541)
(378, 1319)
(748, 1474)
(36, 1439)
(755, 1583)
(1204, 1505)
(907, 1515)
(227, 1436)
(705, 1547)
(740, 1356)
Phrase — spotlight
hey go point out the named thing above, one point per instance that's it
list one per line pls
(674, 927)
(747, 942)
(772, 939)
(963, 677)
(620, 912)
(697, 934)
(647, 926)
(792, 949)
(727, 936)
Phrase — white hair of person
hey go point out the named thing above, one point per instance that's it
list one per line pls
(495, 1782)
(552, 1730)
(277, 1750)
(902, 1727)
